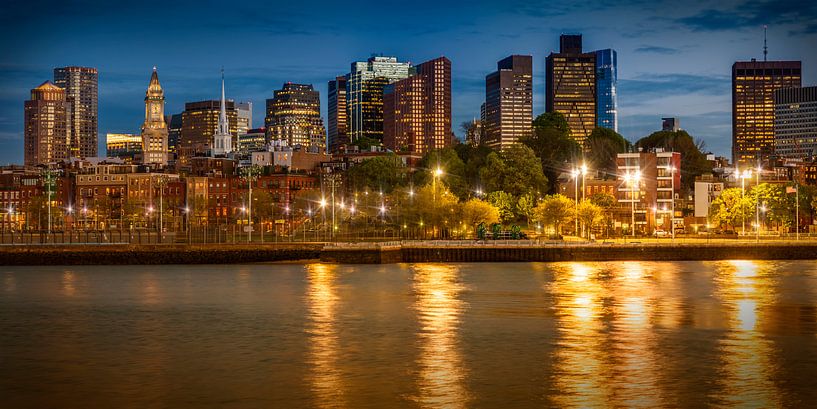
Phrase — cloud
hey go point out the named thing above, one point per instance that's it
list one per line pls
(753, 13)
(662, 85)
(652, 49)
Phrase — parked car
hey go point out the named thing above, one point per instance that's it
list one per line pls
(660, 233)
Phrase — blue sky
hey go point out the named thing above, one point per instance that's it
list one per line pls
(673, 60)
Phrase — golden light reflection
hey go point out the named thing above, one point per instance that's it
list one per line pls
(579, 370)
(442, 373)
(746, 376)
(322, 301)
(151, 293)
(9, 283)
(69, 283)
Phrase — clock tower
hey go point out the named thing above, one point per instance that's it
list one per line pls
(154, 130)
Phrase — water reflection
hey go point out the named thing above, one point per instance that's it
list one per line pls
(322, 301)
(441, 367)
(746, 376)
(579, 371)
(69, 284)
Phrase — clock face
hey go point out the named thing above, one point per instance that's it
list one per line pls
(154, 109)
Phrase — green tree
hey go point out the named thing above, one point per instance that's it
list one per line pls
(589, 214)
(474, 158)
(693, 161)
(779, 207)
(602, 146)
(453, 168)
(608, 203)
(552, 144)
(381, 173)
(504, 202)
(434, 207)
(525, 205)
(475, 212)
(729, 209)
(516, 171)
(555, 210)
(364, 143)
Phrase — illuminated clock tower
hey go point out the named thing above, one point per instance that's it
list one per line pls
(154, 130)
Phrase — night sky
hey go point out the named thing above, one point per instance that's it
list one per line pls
(673, 60)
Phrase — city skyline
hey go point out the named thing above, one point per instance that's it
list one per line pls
(661, 73)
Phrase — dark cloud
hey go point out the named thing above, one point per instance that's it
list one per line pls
(652, 49)
(658, 85)
(753, 14)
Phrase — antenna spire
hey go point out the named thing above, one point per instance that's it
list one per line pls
(765, 48)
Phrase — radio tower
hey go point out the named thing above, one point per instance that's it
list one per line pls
(765, 48)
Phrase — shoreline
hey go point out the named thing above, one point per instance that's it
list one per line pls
(396, 252)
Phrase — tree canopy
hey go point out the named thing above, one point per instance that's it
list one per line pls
(381, 173)
(552, 144)
(602, 146)
(515, 170)
(693, 161)
(452, 167)
(555, 210)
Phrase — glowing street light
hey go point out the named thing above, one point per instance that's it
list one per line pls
(633, 179)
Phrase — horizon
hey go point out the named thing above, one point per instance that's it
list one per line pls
(676, 66)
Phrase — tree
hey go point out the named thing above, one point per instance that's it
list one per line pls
(515, 170)
(590, 215)
(525, 205)
(608, 203)
(729, 209)
(381, 173)
(504, 202)
(555, 210)
(693, 161)
(779, 207)
(453, 168)
(474, 158)
(602, 146)
(433, 206)
(552, 144)
(364, 143)
(475, 212)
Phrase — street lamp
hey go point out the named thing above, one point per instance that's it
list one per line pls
(633, 179)
(672, 196)
(743, 176)
(757, 209)
(576, 198)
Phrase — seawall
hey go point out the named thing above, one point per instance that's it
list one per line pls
(395, 252)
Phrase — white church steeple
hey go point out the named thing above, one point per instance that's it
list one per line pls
(222, 139)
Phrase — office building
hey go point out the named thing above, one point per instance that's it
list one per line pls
(649, 200)
(124, 146)
(45, 137)
(294, 115)
(199, 123)
(670, 124)
(243, 116)
(508, 102)
(253, 140)
(174, 132)
(795, 123)
(364, 94)
(81, 96)
(337, 115)
(417, 110)
(606, 89)
(570, 81)
(753, 87)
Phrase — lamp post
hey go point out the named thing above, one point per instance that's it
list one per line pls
(437, 173)
(250, 174)
(633, 179)
(576, 199)
(757, 208)
(743, 176)
(323, 213)
(672, 196)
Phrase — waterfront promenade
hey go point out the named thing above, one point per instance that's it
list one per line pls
(408, 251)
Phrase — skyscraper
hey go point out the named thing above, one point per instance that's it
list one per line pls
(753, 86)
(337, 119)
(45, 138)
(154, 129)
(417, 110)
(81, 94)
(244, 116)
(364, 92)
(606, 89)
(509, 102)
(294, 115)
(199, 123)
(795, 123)
(570, 79)
(174, 132)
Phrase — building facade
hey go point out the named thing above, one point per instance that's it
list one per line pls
(154, 129)
(294, 115)
(174, 132)
(508, 102)
(123, 145)
(253, 140)
(337, 115)
(607, 89)
(364, 94)
(81, 86)
(795, 123)
(753, 87)
(647, 188)
(570, 82)
(45, 137)
(417, 110)
(199, 124)
(243, 116)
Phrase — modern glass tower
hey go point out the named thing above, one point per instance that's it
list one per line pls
(508, 102)
(81, 95)
(571, 86)
(364, 92)
(336, 123)
(606, 84)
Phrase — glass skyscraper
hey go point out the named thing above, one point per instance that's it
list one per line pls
(606, 84)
